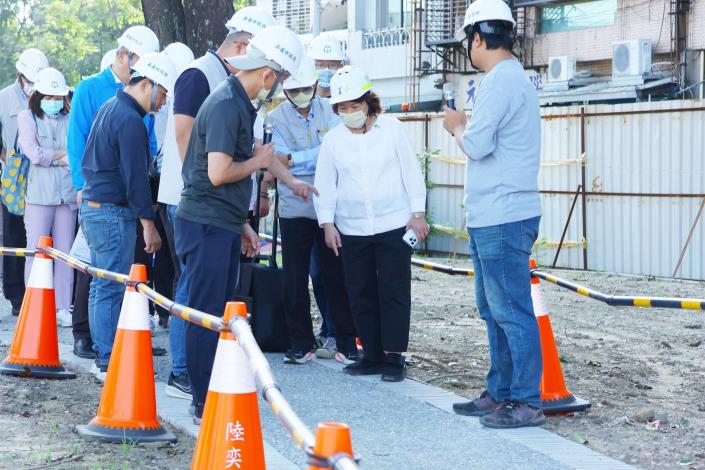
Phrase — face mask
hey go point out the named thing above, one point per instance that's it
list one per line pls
(52, 107)
(265, 95)
(324, 77)
(354, 120)
(302, 100)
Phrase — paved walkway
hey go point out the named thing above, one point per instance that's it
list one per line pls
(407, 425)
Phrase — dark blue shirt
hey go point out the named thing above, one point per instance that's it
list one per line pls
(115, 162)
(192, 89)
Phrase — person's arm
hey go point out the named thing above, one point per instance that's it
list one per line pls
(413, 181)
(190, 91)
(133, 145)
(222, 169)
(80, 120)
(183, 126)
(326, 181)
(29, 143)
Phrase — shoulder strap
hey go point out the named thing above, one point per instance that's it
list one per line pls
(275, 228)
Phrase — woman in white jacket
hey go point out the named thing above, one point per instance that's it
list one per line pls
(371, 192)
(51, 200)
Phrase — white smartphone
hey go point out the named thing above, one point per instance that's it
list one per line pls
(410, 238)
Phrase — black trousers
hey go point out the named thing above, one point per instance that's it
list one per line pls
(79, 320)
(211, 256)
(13, 236)
(378, 278)
(298, 235)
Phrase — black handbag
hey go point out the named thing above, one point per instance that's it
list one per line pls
(262, 289)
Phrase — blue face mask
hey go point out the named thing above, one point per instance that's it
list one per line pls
(52, 107)
(324, 77)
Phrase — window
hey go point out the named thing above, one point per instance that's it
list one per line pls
(580, 15)
(293, 14)
(393, 14)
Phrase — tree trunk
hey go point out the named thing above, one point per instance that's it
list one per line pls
(205, 23)
(166, 19)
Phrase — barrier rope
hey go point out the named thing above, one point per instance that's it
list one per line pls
(240, 327)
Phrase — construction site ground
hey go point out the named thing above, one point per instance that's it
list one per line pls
(642, 370)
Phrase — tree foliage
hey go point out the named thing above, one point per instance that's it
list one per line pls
(74, 34)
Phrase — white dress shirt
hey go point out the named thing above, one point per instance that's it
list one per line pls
(369, 183)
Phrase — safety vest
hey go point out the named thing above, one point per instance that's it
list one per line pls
(171, 184)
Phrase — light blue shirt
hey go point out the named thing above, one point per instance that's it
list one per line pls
(503, 140)
(301, 137)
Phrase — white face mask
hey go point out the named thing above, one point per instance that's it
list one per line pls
(302, 100)
(354, 120)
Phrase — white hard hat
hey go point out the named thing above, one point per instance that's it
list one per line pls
(348, 84)
(250, 20)
(31, 62)
(180, 54)
(485, 10)
(108, 59)
(51, 82)
(326, 47)
(157, 67)
(275, 47)
(139, 40)
(305, 76)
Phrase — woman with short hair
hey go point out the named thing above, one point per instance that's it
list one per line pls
(50, 199)
(372, 192)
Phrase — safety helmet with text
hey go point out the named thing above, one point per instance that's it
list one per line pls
(485, 10)
(157, 67)
(306, 75)
(348, 84)
(180, 54)
(250, 20)
(326, 47)
(51, 82)
(276, 47)
(31, 62)
(139, 40)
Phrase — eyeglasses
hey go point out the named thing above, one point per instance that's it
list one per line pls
(299, 91)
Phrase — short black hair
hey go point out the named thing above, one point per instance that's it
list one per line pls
(496, 34)
(135, 80)
(374, 107)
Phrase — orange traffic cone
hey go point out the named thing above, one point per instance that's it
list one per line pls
(230, 435)
(128, 407)
(35, 346)
(331, 439)
(555, 395)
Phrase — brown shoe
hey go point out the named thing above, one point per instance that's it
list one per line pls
(514, 414)
(480, 406)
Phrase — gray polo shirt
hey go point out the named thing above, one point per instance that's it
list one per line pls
(223, 124)
(503, 140)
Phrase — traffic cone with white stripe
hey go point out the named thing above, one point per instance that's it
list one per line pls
(34, 351)
(231, 434)
(128, 405)
(556, 397)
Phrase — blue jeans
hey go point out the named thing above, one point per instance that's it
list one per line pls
(500, 255)
(177, 326)
(319, 292)
(111, 232)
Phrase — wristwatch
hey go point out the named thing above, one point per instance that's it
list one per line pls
(290, 160)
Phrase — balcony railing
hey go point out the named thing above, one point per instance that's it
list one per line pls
(386, 37)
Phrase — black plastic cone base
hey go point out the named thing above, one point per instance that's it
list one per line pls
(40, 372)
(92, 431)
(569, 404)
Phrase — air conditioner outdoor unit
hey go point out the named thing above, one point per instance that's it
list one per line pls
(561, 68)
(631, 58)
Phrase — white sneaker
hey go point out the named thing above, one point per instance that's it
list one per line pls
(327, 349)
(64, 318)
(100, 374)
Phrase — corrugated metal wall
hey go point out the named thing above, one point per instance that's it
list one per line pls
(645, 181)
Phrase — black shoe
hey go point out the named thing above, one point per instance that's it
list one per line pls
(197, 413)
(178, 386)
(480, 406)
(83, 348)
(514, 414)
(156, 351)
(295, 356)
(394, 368)
(15, 311)
(364, 367)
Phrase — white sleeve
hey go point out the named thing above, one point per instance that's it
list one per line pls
(326, 182)
(410, 169)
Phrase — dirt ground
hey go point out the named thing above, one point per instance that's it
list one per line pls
(642, 369)
(37, 421)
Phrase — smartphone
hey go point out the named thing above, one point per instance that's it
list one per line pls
(410, 238)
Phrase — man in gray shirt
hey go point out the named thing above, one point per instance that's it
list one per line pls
(502, 142)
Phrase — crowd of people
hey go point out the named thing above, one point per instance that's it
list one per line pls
(161, 148)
